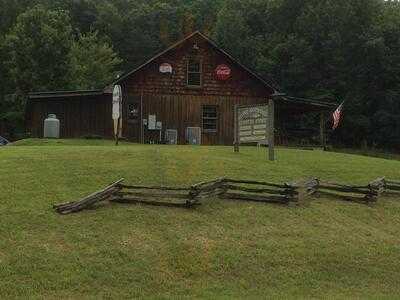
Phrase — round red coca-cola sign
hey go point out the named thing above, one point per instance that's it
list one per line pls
(223, 72)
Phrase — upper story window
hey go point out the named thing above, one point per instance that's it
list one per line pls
(194, 71)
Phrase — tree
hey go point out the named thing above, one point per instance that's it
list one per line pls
(38, 46)
(232, 31)
(34, 57)
(93, 62)
(326, 49)
(330, 49)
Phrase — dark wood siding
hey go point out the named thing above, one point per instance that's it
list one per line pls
(178, 106)
(182, 111)
(79, 116)
(150, 80)
(167, 96)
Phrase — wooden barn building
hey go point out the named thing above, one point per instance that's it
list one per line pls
(187, 93)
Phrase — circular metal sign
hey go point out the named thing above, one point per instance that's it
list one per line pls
(223, 72)
(117, 99)
(165, 68)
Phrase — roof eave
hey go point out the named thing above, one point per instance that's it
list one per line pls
(154, 58)
(63, 94)
(309, 102)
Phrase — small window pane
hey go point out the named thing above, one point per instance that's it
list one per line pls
(210, 118)
(209, 112)
(194, 79)
(194, 72)
(194, 66)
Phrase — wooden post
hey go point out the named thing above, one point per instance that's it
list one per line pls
(322, 131)
(271, 130)
(141, 119)
(121, 112)
(236, 130)
(120, 127)
(118, 132)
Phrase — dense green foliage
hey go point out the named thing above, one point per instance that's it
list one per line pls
(326, 249)
(93, 63)
(343, 50)
(331, 50)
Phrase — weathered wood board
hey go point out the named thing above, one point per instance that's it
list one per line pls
(252, 123)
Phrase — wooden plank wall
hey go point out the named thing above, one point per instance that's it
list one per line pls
(165, 95)
(79, 116)
(150, 80)
(179, 106)
(182, 111)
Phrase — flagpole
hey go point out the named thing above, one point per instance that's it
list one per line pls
(322, 131)
(335, 117)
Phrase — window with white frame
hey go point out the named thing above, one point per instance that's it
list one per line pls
(194, 72)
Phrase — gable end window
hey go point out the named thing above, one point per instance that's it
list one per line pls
(194, 72)
(210, 118)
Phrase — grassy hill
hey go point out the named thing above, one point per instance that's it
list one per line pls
(222, 249)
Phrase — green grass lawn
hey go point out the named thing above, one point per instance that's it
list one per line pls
(222, 249)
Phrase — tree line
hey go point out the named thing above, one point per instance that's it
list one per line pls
(331, 50)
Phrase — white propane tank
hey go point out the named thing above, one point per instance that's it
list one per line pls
(51, 127)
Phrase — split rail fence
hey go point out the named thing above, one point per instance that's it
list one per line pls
(232, 189)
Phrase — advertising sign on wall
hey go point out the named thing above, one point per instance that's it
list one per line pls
(166, 68)
(223, 72)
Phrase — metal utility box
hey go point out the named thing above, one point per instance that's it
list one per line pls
(193, 135)
(171, 136)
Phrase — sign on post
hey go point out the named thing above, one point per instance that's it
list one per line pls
(254, 124)
(117, 110)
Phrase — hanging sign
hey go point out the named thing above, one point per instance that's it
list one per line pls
(151, 125)
(255, 124)
(117, 111)
(223, 72)
(166, 68)
(116, 102)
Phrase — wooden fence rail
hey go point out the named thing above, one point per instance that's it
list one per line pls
(390, 187)
(357, 193)
(258, 191)
(157, 196)
(89, 201)
(233, 189)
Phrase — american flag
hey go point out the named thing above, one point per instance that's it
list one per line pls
(337, 116)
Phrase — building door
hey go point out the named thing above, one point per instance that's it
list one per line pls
(134, 120)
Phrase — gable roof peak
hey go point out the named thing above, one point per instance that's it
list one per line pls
(214, 45)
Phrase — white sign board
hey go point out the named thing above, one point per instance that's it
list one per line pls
(166, 68)
(152, 122)
(117, 100)
(252, 123)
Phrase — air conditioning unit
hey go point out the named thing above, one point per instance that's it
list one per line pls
(171, 136)
(193, 135)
